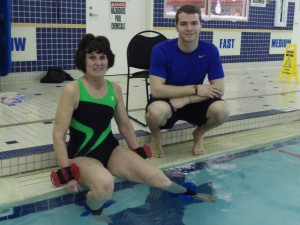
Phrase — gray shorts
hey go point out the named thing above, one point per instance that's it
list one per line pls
(194, 113)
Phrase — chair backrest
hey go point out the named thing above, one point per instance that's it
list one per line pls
(140, 47)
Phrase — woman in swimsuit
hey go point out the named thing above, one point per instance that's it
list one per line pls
(85, 109)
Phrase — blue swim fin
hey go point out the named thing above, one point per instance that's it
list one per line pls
(88, 212)
(184, 196)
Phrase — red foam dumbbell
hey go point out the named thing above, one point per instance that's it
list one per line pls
(64, 175)
(145, 151)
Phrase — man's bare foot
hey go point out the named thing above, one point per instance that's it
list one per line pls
(157, 149)
(198, 145)
(205, 197)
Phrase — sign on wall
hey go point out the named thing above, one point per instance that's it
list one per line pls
(23, 44)
(118, 15)
(278, 42)
(228, 43)
(258, 3)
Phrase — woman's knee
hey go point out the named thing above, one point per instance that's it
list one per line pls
(102, 188)
(160, 180)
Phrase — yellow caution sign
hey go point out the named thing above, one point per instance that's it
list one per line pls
(289, 67)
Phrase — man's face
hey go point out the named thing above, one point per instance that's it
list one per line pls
(188, 27)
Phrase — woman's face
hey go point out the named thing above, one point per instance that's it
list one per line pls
(96, 64)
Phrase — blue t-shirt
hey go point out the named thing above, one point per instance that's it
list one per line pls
(179, 68)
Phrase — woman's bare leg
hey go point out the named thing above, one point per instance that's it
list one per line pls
(128, 165)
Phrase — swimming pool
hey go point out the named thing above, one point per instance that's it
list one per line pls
(254, 186)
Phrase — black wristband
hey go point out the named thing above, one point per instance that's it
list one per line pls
(69, 173)
(141, 152)
(61, 176)
(65, 179)
(95, 212)
(196, 89)
(190, 192)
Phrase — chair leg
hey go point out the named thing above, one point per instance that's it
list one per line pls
(127, 94)
(147, 91)
(127, 103)
(136, 120)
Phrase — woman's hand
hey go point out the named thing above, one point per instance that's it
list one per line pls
(73, 186)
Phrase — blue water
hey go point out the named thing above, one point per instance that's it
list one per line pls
(253, 187)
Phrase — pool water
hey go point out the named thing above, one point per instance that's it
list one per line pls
(258, 186)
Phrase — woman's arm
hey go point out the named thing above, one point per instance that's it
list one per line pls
(67, 103)
(121, 117)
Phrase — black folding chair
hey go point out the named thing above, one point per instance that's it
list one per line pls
(138, 57)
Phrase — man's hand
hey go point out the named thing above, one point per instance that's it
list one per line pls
(208, 90)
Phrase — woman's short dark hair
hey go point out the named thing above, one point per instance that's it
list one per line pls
(189, 9)
(90, 43)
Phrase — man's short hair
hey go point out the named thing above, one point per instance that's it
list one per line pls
(189, 9)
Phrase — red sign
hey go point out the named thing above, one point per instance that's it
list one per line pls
(118, 4)
(118, 15)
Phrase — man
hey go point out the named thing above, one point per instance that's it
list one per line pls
(177, 72)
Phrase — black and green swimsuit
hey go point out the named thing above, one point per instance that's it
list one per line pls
(90, 128)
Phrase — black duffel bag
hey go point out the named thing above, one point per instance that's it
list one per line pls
(56, 75)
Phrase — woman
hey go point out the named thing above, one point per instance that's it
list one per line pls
(85, 108)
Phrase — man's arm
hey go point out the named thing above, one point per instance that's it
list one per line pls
(161, 90)
(219, 84)
(182, 95)
(205, 91)
(198, 93)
